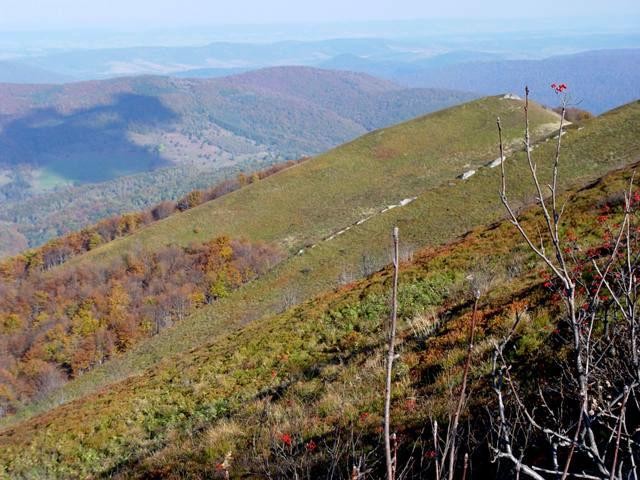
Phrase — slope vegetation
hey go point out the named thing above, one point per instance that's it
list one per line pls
(301, 206)
(293, 216)
(283, 392)
(310, 204)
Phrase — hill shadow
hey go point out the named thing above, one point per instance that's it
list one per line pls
(88, 145)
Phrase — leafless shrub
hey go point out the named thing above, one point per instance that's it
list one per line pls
(390, 456)
(581, 424)
(369, 264)
(290, 298)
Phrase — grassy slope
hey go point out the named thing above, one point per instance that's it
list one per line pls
(305, 204)
(326, 356)
(439, 215)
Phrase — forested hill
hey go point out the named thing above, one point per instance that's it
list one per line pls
(292, 110)
(189, 132)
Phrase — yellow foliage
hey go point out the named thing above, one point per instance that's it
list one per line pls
(198, 299)
(11, 323)
(117, 304)
(84, 323)
(40, 318)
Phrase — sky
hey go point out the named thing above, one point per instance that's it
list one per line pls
(55, 14)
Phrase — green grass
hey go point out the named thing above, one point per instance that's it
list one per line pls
(444, 210)
(324, 357)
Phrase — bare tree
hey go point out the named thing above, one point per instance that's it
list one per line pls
(390, 463)
(584, 419)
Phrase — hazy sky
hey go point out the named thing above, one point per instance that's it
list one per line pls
(47, 14)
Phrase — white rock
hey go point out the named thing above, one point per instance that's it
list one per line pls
(511, 96)
(495, 163)
(407, 201)
(468, 174)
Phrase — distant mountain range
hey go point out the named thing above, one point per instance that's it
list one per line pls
(56, 137)
(101, 63)
(598, 80)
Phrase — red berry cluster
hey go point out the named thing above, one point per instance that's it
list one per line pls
(285, 438)
(559, 87)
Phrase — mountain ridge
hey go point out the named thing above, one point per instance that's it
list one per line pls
(97, 131)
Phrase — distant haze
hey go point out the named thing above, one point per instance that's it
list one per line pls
(144, 14)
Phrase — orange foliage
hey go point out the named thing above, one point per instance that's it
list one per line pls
(59, 324)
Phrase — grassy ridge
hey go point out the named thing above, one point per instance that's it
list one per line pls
(437, 216)
(323, 358)
(305, 204)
